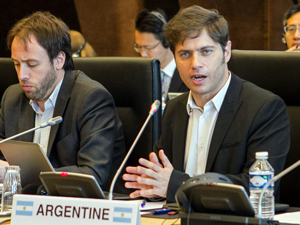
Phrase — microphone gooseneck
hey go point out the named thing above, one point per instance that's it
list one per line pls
(274, 179)
(154, 107)
(49, 122)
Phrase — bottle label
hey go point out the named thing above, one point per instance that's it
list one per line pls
(259, 181)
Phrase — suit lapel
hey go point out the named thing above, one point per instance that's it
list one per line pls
(60, 105)
(180, 132)
(26, 122)
(226, 115)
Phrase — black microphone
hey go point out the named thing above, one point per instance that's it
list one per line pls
(154, 107)
(274, 179)
(49, 122)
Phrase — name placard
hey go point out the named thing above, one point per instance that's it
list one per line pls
(38, 209)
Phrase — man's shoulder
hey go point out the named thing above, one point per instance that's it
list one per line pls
(251, 90)
(81, 77)
(253, 97)
(182, 99)
(83, 82)
(84, 85)
(14, 90)
(12, 96)
(178, 102)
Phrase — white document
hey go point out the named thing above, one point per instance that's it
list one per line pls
(291, 218)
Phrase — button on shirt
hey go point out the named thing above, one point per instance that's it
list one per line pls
(41, 136)
(200, 130)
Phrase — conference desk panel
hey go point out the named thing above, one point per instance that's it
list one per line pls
(144, 220)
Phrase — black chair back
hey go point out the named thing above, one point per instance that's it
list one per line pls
(134, 83)
(8, 74)
(278, 72)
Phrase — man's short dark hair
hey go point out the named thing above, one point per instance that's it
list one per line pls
(191, 21)
(51, 33)
(290, 12)
(152, 22)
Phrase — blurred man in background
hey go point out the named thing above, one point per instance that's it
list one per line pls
(150, 42)
(291, 28)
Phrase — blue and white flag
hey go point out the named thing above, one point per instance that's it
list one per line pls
(122, 215)
(24, 208)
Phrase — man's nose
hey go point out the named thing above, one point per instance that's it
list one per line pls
(196, 61)
(144, 53)
(297, 32)
(23, 73)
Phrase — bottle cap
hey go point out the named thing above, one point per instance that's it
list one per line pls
(261, 155)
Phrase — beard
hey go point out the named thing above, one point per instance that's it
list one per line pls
(42, 90)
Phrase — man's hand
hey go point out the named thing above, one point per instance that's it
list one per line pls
(294, 48)
(3, 164)
(151, 179)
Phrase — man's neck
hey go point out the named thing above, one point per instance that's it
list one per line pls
(41, 103)
(202, 99)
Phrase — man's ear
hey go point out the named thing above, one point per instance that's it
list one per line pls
(283, 39)
(227, 51)
(59, 61)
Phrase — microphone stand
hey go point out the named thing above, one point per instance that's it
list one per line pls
(20, 134)
(274, 179)
(153, 109)
(50, 122)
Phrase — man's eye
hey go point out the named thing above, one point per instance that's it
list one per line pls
(184, 54)
(206, 51)
(291, 29)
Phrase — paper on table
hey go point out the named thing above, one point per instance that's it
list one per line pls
(291, 218)
(148, 206)
(152, 205)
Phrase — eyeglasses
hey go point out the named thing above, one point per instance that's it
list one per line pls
(138, 48)
(291, 29)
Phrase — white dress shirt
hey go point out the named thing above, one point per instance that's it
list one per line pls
(41, 136)
(201, 127)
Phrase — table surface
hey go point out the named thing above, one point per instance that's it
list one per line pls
(144, 220)
(156, 221)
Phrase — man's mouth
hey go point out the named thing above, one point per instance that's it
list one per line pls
(26, 87)
(198, 78)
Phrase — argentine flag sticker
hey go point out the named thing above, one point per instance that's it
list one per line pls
(122, 215)
(24, 208)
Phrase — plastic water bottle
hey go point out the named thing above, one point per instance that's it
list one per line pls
(11, 186)
(260, 173)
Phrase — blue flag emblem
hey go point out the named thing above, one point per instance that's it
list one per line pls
(122, 215)
(24, 208)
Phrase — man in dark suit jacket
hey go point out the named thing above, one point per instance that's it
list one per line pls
(150, 42)
(220, 124)
(90, 138)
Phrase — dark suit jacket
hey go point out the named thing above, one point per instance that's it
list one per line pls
(176, 84)
(251, 119)
(90, 138)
